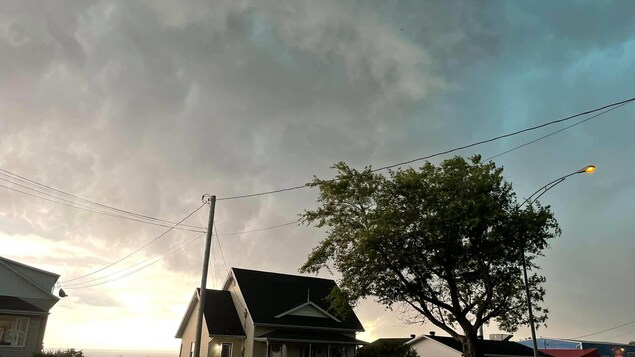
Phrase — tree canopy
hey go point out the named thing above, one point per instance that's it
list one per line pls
(445, 241)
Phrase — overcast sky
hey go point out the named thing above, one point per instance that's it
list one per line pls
(147, 105)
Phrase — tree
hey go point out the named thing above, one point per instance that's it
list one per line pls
(443, 241)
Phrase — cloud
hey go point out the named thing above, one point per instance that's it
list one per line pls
(147, 105)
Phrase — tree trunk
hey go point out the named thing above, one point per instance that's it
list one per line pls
(471, 347)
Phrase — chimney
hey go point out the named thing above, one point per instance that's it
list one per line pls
(431, 333)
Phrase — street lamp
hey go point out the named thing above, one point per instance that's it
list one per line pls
(589, 169)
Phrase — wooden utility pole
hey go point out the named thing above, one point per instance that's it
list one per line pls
(208, 247)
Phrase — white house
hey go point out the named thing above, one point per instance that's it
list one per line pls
(263, 314)
(25, 301)
(442, 346)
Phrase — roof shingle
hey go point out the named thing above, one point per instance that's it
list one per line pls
(270, 294)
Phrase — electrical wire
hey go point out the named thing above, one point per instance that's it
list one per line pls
(220, 247)
(621, 335)
(160, 255)
(554, 132)
(262, 229)
(599, 332)
(138, 249)
(477, 143)
(14, 176)
(71, 204)
(73, 286)
(202, 233)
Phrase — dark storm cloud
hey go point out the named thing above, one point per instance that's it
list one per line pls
(147, 105)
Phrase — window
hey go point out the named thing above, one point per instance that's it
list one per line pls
(278, 350)
(192, 349)
(226, 350)
(13, 330)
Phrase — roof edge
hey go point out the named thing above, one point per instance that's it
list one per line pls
(188, 312)
(30, 267)
(308, 303)
(3, 261)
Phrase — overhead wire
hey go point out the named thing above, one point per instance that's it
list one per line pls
(220, 247)
(458, 148)
(606, 330)
(140, 248)
(74, 286)
(554, 132)
(71, 204)
(14, 176)
(161, 255)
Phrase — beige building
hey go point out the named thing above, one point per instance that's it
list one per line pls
(25, 301)
(444, 346)
(263, 314)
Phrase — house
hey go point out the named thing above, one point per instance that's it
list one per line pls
(587, 352)
(442, 346)
(264, 314)
(25, 301)
(604, 349)
(386, 346)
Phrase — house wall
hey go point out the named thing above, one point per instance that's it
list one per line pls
(215, 346)
(245, 318)
(429, 348)
(42, 278)
(15, 285)
(31, 345)
(189, 335)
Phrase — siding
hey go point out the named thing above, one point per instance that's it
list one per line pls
(31, 342)
(429, 348)
(189, 335)
(245, 318)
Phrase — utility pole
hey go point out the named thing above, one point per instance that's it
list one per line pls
(208, 247)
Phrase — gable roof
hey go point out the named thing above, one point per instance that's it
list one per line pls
(32, 276)
(271, 296)
(489, 347)
(220, 314)
(388, 341)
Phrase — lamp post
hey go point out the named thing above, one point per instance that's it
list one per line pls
(531, 199)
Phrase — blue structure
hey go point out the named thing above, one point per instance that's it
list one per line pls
(605, 349)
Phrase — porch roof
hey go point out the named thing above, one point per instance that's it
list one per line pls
(309, 337)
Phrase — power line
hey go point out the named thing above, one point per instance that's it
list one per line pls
(220, 248)
(138, 249)
(73, 286)
(599, 332)
(262, 193)
(14, 176)
(621, 335)
(71, 204)
(219, 244)
(477, 143)
(505, 135)
(161, 255)
(554, 132)
(262, 229)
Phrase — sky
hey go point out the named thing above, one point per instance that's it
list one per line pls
(147, 105)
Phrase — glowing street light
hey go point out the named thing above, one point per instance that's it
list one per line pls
(589, 169)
